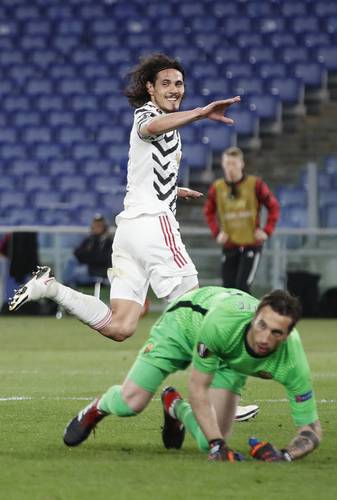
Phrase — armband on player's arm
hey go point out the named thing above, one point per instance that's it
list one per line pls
(306, 441)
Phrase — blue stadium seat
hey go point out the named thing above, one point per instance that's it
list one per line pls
(114, 134)
(19, 217)
(7, 183)
(106, 86)
(85, 150)
(272, 69)
(24, 166)
(13, 151)
(248, 39)
(9, 200)
(246, 126)
(139, 40)
(331, 216)
(72, 183)
(21, 72)
(327, 55)
(191, 9)
(60, 166)
(203, 23)
(301, 24)
(94, 119)
(55, 217)
(59, 118)
(292, 8)
(72, 86)
(104, 26)
(330, 164)
(227, 54)
(293, 54)
(46, 199)
(137, 24)
(171, 24)
(288, 195)
(46, 152)
(327, 197)
(77, 199)
(187, 55)
(191, 102)
(90, 12)
(49, 103)
(96, 70)
(247, 85)
(43, 58)
(6, 87)
(207, 41)
(239, 69)
(84, 56)
(270, 24)
(39, 86)
(218, 85)
(114, 202)
(323, 8)
(281, 39)
(218, 137)
(32, 135)
(26, 118)
(65, 44)
(71, 135)
(168, 42)
(256, 9)
(196, 156)
(81, 103)
(107, 183)
(203, 70)
(232, 25)
(315, 78)
(56, 12)
(9, 57)
(16, 103)
(32, 42)
(258, 54)
(269, 110)
(37, 27)
(8, 135)
(224, 9)
(294, 216)
(291, 92)
(71, 26)
(91, 168)
(189, 135)
(156, 10)
(35, 182)
(107, 40)
(314, 39)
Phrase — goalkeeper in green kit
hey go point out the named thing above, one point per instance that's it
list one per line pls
(226, 335)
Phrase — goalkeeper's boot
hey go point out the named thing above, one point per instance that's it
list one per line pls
(80, 427)
(173, 431)
(36, 288)
(245, 413)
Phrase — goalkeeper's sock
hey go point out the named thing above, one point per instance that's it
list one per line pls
(186, 416)
(86, 308)
(112, 402)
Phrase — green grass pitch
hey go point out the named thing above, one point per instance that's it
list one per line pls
(57, 367)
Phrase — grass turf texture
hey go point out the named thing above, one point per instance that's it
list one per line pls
(55, 363)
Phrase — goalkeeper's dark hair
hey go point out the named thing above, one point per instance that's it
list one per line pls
(146, 71)
(283, 303)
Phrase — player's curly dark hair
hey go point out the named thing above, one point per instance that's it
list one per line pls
(283, 303)
(146, 71)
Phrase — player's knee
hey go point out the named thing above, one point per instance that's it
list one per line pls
(119, 329)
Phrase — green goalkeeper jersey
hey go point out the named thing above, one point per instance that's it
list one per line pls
(209, 326)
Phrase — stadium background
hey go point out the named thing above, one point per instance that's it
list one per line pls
(64, 123)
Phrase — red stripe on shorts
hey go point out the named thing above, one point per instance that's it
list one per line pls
(170, 241)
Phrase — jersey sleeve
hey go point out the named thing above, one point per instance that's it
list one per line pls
(300, 391)
(210, 342)
(142, 117)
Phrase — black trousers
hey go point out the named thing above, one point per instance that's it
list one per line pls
(239, 266)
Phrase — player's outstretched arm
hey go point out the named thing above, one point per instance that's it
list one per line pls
(171, 121)
(306, 441)
(188, 194)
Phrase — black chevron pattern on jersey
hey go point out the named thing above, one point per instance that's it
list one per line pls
(166, 152)
(163, 196)
(162, 179)
(169, 138)
(156, 159)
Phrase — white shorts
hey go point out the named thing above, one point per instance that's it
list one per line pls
(148, 250)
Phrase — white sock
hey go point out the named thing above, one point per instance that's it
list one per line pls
(86, 308)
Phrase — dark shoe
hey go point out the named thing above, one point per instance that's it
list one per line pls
(79, 429)
(173, 431)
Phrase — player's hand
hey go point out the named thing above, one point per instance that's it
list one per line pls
(188, 194)
(220, 452)
(222, 238)
(265, 451)
(260, 235)
(216, 109)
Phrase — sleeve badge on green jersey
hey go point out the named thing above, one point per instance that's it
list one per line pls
(303, 397)
(203, 350)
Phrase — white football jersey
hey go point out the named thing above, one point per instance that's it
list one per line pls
(152, 168)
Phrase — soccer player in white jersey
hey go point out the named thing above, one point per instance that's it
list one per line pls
(147, 248)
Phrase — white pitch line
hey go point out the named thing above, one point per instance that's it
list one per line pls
(75, 398)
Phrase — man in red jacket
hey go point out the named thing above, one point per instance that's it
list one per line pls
(232, 211)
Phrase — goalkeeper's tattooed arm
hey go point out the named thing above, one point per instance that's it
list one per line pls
(306, 441)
